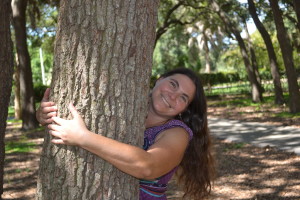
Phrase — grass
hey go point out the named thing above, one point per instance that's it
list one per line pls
(21, 146)
(232, 101)
(245, 100)
(233, 146)
(288, 115)
(11, 111)
(14, 121)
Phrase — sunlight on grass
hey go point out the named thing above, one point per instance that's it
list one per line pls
(19, 147)
(11, 111)
(238, 101)
(14, 121)
(288, 115)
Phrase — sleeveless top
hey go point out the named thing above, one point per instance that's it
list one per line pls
(155, 190)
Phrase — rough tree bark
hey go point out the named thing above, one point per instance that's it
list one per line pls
(255, 85)
(207, 54)
(6, 66)
(26, 84)
(287, 54)
(103, 58)
(17, 101)
(271, 53)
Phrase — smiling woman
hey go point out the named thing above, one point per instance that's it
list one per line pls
(170, 96)
(176, 138)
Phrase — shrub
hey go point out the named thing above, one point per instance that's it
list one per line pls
(39, 90)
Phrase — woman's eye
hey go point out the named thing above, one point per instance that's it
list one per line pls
(184, 99)
(173, 84)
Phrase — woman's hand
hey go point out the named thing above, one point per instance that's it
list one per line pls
(69, 132)
(47, 110)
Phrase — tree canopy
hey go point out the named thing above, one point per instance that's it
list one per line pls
(190, 33)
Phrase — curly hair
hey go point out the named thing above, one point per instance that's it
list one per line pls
(197, 168)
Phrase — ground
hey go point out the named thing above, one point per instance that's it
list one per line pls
(245, 172)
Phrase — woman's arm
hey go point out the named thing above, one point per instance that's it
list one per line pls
(163, 156)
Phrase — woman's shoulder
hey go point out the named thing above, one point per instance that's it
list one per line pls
(177, 123)
(154, 131)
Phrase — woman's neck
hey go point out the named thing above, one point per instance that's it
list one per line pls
(154, 120)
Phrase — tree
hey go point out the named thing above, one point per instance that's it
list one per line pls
(271, 53)
(232, 28)
(103, 56)
(296, 4)
(287, 53)
(17, 101)
(252, 52)
(26, 84)
(6, 65)
(177, 13)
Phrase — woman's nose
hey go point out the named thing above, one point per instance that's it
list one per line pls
(173, 95)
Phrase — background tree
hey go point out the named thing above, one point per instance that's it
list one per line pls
(16, 88)
(297, 10)
(287, 53)
(26, 85)
(232, 28)
(6, 65)
(271, 53)
(103, 56)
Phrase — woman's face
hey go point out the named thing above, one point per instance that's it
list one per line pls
(172, 95)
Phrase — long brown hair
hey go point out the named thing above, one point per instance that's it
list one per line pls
(197, 169)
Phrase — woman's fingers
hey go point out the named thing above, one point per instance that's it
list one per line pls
(48, 121)
(48, 108)
(47, 118)
(54, 127)
(57, 141)
(58, 120)
(46, 95)
(73, 111)
(55, 133)
(51, 114)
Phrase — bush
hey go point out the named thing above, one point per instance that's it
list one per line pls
(39, 90)
(218, 78)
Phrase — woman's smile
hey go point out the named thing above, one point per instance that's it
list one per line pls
(165, 101)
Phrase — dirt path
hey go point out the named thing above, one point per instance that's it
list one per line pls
(244, 171)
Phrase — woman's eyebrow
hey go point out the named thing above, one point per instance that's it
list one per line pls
(175, 81)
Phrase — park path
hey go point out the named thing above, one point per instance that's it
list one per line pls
(286, 138)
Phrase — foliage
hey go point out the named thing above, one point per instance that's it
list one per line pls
(183, 26)
(171, 51)
(220, 77)
(42, 36)
(229, 89)
(39, 90)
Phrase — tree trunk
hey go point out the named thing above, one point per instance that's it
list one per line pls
(271, 53)
(103, 58)
(17, 100)
(26, 85)
(297, 10)
(252, 55)
(255, 86)
(6, 65)
(287, 53)
(206, 51)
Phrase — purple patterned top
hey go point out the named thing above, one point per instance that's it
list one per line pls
(155, 190)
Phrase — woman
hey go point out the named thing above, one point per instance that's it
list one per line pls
(176, 138)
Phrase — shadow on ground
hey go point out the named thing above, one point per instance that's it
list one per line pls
(245, 172)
